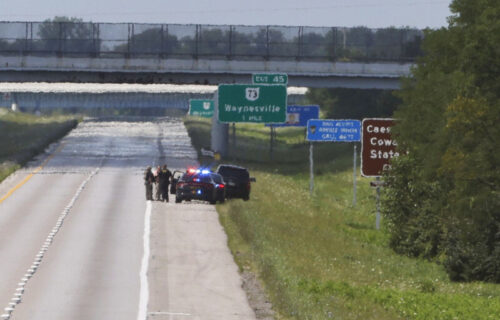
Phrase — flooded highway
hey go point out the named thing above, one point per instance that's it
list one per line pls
(78, 239)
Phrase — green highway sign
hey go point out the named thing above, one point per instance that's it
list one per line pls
(270, 78)
(252, 103)
(201, 108)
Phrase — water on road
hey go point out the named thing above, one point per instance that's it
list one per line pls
(78, 240)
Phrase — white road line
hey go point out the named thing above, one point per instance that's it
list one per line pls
(170, 313)
(144, 295)
(17, 297)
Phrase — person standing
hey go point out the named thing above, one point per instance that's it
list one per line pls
(157, 184)
(148, 182)
(164, 180)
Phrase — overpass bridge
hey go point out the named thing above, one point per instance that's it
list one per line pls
(45, 97)
(205, 54)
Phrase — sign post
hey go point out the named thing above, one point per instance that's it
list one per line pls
(234, 141)
(311, 169)
(377, 218)
(335, 131)
(201, 108)
(252, 103)
(271, 141)
(377, 149)
(354, 176)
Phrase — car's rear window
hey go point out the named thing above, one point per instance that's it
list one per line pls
(233, 172)
(217, 178)
(196, 178)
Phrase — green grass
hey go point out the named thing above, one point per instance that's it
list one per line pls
(25, 135)
(320, 258)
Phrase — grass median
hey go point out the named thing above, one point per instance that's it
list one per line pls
(22, 136)
(317, 255)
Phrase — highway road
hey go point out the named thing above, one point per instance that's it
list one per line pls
(78, 240)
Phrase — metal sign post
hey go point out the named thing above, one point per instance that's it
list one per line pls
(311, 169)
(377, 149)
(219, 135)
(234, 141)
(354, 177)
(377, 219)
(271, 141)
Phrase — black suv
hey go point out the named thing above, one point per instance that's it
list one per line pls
(237, 181)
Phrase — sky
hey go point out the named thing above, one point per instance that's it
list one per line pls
(326, 13)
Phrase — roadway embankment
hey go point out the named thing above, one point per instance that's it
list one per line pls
(317, 255)
(22, 136)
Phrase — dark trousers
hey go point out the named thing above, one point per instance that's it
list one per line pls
(149, 191)
(163, 188)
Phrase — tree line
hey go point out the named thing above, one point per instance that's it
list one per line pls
(442, 200)
(72, 35)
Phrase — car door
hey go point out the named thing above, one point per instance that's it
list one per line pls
(175, 178)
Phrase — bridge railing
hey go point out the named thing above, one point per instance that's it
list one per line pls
(131, 40)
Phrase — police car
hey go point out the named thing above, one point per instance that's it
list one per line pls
(200, 184)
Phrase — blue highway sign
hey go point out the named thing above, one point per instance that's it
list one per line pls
(334, 130)
(297, 116)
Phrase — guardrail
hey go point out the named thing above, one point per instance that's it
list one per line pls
(133, 40)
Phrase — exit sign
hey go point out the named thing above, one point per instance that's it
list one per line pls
(252, 103)
(270, 78)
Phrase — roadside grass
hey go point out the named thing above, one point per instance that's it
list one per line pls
(22, 136)
(321, 258)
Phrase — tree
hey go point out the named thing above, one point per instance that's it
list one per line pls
(151, 41)
(63, 34)
(214, 41)
(343, 103)
(443, 196)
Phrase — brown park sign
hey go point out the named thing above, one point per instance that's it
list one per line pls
(378, 147)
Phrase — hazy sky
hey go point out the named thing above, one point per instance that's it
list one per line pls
(330, 13)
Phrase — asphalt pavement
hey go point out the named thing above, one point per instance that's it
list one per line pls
(78, 240)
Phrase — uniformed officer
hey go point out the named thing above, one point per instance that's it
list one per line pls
(164, 177)
(148, 182)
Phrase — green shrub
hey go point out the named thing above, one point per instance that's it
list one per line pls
(442, 200)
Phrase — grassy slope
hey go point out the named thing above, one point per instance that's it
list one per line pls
(320, 258)
(24, 135)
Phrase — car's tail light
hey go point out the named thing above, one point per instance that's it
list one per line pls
(180, 184)
(221, 186)
(248, 186)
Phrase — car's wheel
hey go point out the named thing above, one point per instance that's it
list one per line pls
(246, 197)
(213, 200)
(178, 199)
(222, 200)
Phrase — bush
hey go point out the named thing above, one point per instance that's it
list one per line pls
(443, 199)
